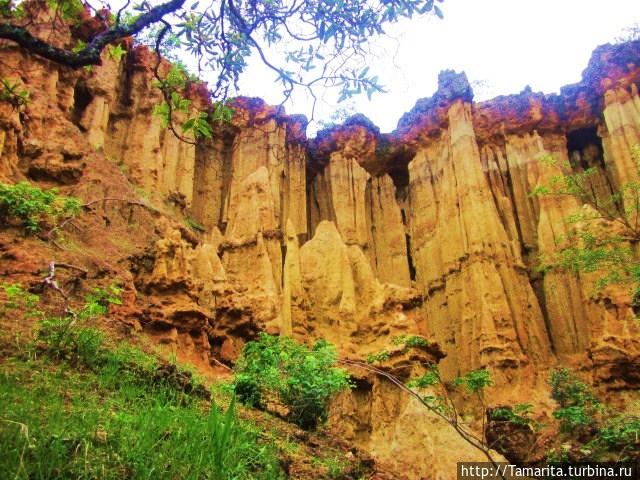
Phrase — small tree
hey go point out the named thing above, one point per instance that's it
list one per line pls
(304, 379)
(589, 430)
(606, 230)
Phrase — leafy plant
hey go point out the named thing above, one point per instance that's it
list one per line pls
(69, 10)
(116, 52)
(429, 379)
(304, 379)
(519, 414)
(601, 433)
(589, 247)
(173, 87)
(12, 93)
(62, 422)
(31, 205)
(410, 341)
(378, 357)
(578, 405)
(475, 381)
(325, 42)
(621, 433)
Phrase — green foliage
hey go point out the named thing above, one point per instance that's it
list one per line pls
(173, 86)
(474, 381)
(333, 465)
(116, 52)
(12, 93)
(612, 436)
(589, 246)
(79, 46)
(303, 379)
(9, 9)
(61, 338)
(17, 298)
(198, 126)
(378, 357)
(68, 10)
(194, 225)
(429, 379)
(410, 341)
(578, 405)
(620, 433)
(519, 414)
(81, 408)
(31, 205)
(568, 391)
(222, 112)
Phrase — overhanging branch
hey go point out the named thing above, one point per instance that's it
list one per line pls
(90, 55)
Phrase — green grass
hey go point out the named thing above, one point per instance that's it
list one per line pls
(111, 419)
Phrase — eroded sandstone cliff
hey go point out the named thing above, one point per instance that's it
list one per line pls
(354, 236)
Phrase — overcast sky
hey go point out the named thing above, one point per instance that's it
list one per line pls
(506, 44)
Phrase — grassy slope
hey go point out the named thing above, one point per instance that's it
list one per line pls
(76, 404)
(107, 414)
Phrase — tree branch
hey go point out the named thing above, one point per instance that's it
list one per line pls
(90, 55)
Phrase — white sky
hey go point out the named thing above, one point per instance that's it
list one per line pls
(507, 44)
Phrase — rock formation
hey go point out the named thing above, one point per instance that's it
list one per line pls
(354, 236)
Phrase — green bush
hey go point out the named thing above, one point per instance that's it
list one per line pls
(577, 404)
(378, 357)
(303, 379)
(606, 435)
(518, 415)
(620, 434)
(31, 205)
(475, 381)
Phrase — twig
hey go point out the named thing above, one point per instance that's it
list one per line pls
(71, 267)
(219, 363)
(51, 282)
(467, 436)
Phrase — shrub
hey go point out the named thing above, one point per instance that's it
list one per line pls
(475, 381)
(13, 93)
(578, 405)
(610, 435)
(303, 379)
(31, 205)
(518, 415)
(620, 434)
(410, 341)
(378, 357)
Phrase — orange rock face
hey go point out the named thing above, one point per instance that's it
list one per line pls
(355, 236)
